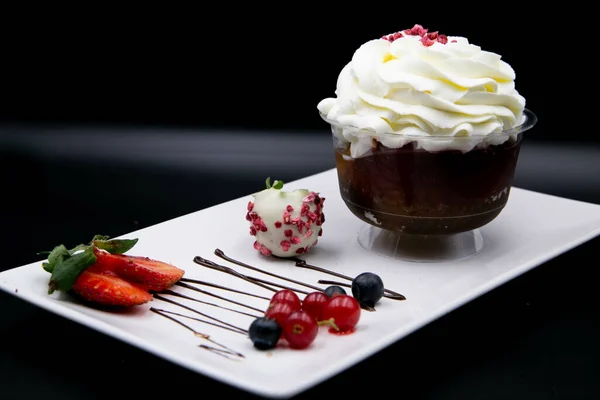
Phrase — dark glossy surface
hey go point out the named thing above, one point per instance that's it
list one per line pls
(532, 338)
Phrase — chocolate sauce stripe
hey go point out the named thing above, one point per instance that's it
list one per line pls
(157, 296)
(223, 351)
(390, 294)
(217, 267)
(221, 254)
(257, 281)
(216, 296)
(183, 296)
(199, 282)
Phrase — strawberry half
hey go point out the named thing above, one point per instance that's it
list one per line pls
(107, 288)
(142, 271)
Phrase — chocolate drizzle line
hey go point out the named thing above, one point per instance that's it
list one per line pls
(257, 281)
(157, 296)
(221, 287)
(220, 253)
(160, 310)
(210, 264)
(213, 304)
(185, 285)
(223, 351)
(390, 294)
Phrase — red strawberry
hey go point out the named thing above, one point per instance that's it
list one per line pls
(147, 273)
(105, 287)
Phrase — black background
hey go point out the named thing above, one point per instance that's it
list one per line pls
(262, 69)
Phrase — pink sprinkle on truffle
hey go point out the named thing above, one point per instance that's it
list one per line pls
(295, 240)
(454, 41)
(432, 35)
(285, 245)
(250, 206)
(256, 245)
(300, 250)
(286, 217)
(253, 231)
(264, 251)
(304, 209)
(288, 233)
(308, 234)
(312, 216)
(277, 224)
(309, 198)
(289, 208)
(443, 39)
(263, 227)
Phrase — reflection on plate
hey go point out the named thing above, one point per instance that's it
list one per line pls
(532, 229)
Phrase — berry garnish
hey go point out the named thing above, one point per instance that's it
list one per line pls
(334, 290)
(368, 289)
(300, 329)
(279, 312)
(313, 304)
(342, 312)
(100, 273)
(264, 333)
(287, 296)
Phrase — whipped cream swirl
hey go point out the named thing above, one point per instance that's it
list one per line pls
(442, 95)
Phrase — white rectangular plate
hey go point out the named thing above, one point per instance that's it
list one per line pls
(532, 229)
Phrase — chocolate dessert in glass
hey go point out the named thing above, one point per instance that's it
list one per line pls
(427, 131)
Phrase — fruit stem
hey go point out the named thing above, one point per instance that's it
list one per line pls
(330, 322)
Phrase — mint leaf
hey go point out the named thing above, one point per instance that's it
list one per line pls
(55, 254)
(277, 185)
(268, 182)
(67, 269)
(78, 247)
(115, 246)
(100, 237)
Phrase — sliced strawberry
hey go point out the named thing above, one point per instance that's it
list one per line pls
(106, 288)
(151, 274)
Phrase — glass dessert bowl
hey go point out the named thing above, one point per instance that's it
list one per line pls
(424, 198)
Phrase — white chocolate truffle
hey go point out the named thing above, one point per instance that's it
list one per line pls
(285, 224)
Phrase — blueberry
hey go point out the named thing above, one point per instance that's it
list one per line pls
(334, 290)
(367, 288)
(264, 333)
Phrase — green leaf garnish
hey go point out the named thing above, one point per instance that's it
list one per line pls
(67, 269)
(66, 265)
(55, 254)
(100, 237)
(276, 185)
(115, 246)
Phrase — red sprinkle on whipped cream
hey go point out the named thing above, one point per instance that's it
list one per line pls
(427, 38)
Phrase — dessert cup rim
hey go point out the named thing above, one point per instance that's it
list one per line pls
(529, 120)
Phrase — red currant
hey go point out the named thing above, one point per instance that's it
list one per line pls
(300, 329)
(342, 312)
(279, 312)
(313, 304)
(287, 296)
